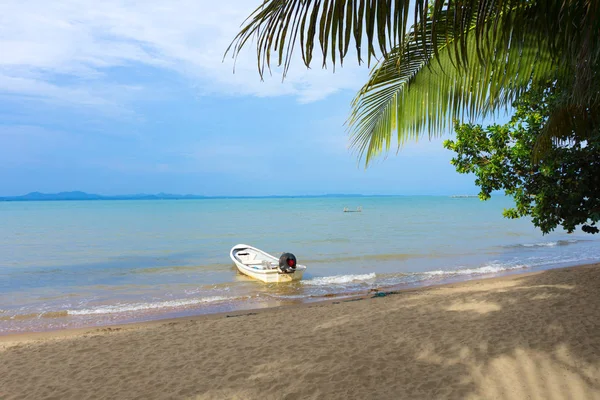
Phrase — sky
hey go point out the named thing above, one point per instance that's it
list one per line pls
(123, 97)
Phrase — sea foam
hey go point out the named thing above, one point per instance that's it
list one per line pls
(339, 279)
(121, 308)
(549, 244)
(487, 269)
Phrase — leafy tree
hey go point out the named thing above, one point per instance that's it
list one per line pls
(461, 59)
(561, 189)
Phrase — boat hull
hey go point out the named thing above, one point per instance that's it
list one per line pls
(272, 277)
(258, 271)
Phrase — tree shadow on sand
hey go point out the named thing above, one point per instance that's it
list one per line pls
(526, 338)
(533, 336)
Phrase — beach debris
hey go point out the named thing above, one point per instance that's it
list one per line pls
(383, 294)
(349, 300)
(240, 315)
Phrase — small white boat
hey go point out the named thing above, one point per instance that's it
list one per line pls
(265, 267)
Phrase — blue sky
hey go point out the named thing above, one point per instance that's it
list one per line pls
(112, 98)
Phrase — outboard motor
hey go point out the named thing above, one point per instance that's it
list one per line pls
(287, 263)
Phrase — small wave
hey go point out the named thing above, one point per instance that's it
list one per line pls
(339, 279)
(47, 314)
(487, 269)
(570, 241)
(542, 244)
(548, 244)
(120, 308)
(577, 259)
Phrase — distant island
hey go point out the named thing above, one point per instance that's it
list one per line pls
(62, 196)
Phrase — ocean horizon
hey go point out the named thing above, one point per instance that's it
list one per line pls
(83, 196)
(91, 263)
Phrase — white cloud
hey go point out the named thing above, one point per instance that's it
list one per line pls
(63, 49)
(40, 89)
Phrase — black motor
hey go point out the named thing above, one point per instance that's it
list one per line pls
(287, 263)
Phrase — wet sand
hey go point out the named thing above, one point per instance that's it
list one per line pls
(530, 336)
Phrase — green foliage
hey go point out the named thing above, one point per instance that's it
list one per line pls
(562, 189)
(459, 60)
(419, 88)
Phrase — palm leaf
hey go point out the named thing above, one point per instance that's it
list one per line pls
(487, 52)
(333, 24)
(412, 91)
(570, 27)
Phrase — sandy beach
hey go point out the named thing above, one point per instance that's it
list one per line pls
(530, 336)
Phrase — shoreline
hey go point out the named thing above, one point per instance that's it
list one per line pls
(192, 312)
(6, 340)
(533, 335)
(135, 269)
(261, 296)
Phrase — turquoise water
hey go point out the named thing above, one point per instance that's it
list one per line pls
(74, 263)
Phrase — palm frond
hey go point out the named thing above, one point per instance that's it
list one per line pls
(570, 27)
(412, 91)
(567, 123)
(333, 24)
(486, 54)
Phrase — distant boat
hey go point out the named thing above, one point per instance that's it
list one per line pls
(358, 209)
(263, 266)
(464, 196)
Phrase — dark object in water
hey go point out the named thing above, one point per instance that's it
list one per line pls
(287, 263)
(383, 294)
(358, 209)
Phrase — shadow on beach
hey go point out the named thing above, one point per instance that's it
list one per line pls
(516, 337)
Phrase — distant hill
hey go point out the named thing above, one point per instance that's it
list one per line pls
(77, 195)
(37, 196)
(55, 196)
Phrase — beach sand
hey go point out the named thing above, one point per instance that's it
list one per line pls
(531, 336)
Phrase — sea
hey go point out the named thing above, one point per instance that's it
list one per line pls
(66, 264)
